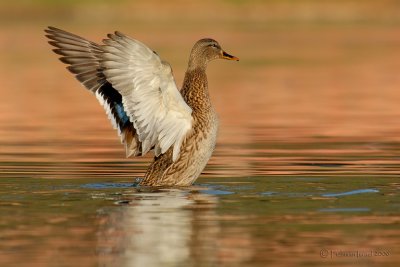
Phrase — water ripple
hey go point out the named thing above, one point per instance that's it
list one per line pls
(353, 192)
(345, 210)
(108, 185)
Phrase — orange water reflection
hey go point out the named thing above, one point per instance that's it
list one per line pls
(182, 228)
(315, 95)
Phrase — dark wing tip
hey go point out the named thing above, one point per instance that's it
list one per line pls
(119, 34)
(65, 60)
(53, 43)
(60, 51)
(52, 30)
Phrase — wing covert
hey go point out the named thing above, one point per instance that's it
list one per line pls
(135, 87)
(150, 97)
(82, 56)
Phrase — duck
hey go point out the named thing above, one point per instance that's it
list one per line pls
(139, 94)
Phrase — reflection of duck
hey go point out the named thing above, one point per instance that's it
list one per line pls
(158, 229)
(139, 94)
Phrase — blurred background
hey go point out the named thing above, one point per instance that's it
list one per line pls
(309, 122)
(308, 69)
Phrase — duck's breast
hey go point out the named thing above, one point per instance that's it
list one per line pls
(197, 149)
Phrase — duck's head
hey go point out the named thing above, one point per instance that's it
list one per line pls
(206, 50)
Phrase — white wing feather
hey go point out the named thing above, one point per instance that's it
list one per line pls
(153, 103)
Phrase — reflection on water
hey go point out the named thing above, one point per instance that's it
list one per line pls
(153, 229)
(52, 222)
(306, 168)
(358, 191)
(345, 210)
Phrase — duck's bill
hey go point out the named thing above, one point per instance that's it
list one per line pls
(229, 57)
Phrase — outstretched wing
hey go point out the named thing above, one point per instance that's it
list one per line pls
(82, 56)
(150, 97)
(135, 87)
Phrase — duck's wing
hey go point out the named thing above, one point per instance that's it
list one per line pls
(82, 56)
(150, 97)
(135, 87)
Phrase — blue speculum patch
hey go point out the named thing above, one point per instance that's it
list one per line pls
(121, 112)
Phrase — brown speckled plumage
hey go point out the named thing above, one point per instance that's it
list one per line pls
(140, 97)
(200, 142)
(163, 170)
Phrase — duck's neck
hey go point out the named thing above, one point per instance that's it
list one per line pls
(195, 89)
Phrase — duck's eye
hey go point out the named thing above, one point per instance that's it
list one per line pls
(214, 45)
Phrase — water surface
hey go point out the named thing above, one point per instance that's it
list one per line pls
(217, 222)
(306, 169)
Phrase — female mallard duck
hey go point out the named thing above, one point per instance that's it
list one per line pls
(138, 91)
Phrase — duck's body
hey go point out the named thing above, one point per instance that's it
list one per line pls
(199, 144)
(140, 97)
